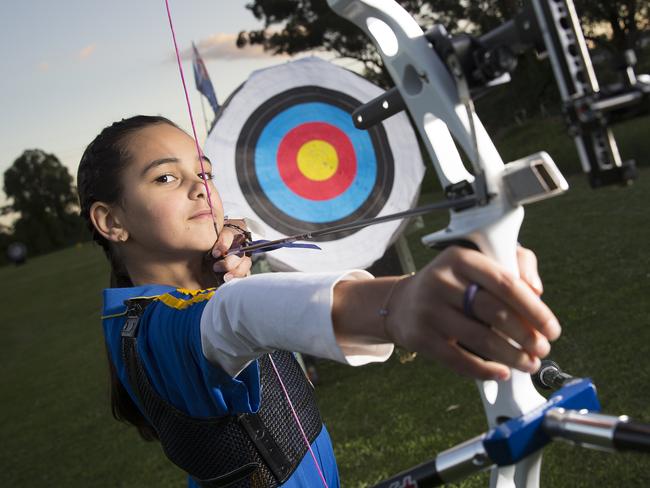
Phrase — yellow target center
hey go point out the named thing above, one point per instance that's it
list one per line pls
(317, 160)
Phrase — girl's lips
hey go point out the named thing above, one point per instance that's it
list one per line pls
(202, 214)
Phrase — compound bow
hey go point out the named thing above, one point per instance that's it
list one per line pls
(435, 77)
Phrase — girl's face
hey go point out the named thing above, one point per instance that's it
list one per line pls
(165, 206)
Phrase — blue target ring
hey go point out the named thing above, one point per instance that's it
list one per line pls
(297, 207)
(271, 125)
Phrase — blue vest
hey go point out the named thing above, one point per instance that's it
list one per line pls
(169, 348)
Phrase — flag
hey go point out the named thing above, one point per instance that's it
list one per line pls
(202, 80)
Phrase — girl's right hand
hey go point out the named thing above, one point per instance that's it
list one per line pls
(232, 266)
(427, 316)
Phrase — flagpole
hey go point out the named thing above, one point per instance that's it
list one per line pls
(205, 119)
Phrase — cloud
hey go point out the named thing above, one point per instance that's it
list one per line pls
(87, 51)
(224, 46)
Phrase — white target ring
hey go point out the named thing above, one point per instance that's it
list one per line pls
(284, 150)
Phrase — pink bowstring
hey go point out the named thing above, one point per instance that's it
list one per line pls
(207, 190)
(295, 417)
(189, 110)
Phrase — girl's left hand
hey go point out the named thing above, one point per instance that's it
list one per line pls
(528, 269)
(232, 266)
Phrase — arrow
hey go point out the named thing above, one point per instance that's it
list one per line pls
(263, 246)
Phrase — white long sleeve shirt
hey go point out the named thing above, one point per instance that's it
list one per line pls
(289, 311)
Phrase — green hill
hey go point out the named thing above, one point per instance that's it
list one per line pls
(56, 428)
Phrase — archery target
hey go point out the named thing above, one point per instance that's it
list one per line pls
(301, 163)
(285, 150)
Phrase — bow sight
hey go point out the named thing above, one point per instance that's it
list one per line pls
(552, 29)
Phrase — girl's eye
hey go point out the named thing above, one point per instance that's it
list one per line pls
(166, 178)
(206, 176)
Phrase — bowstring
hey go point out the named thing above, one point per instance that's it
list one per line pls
(297, 420)
(189, 110)
(207, 189)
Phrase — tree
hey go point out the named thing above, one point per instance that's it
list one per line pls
(626, 20)
(294, 26)
(41, 193)
(6, 238)
(39, 184)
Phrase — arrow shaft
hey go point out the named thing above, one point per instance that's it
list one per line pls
(456, 204)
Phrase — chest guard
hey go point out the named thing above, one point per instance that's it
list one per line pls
(258, 450)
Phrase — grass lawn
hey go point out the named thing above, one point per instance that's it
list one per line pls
(56, 428)
(596, 271)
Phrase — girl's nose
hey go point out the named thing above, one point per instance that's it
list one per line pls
(198, 189)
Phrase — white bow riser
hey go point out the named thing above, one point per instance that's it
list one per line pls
(432, 99)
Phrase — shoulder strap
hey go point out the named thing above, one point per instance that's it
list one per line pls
(239, 447)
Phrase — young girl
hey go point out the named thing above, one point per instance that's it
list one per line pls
(202, 369)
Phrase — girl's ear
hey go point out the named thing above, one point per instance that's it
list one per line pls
(107, 222)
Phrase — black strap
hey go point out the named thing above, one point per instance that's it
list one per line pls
(134, 310)
(224, 451)
(275, 459)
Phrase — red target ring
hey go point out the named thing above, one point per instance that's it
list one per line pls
(342, 164)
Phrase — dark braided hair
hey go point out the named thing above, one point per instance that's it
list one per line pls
(98, 180)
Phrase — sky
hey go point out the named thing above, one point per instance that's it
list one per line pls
(71, 67)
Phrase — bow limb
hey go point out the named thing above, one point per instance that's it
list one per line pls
(440, 111)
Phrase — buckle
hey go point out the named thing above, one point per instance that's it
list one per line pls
(134, 310)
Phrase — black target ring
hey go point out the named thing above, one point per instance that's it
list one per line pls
(246, 165)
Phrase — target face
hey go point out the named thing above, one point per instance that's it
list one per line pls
(301, 163)
(286, 154)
